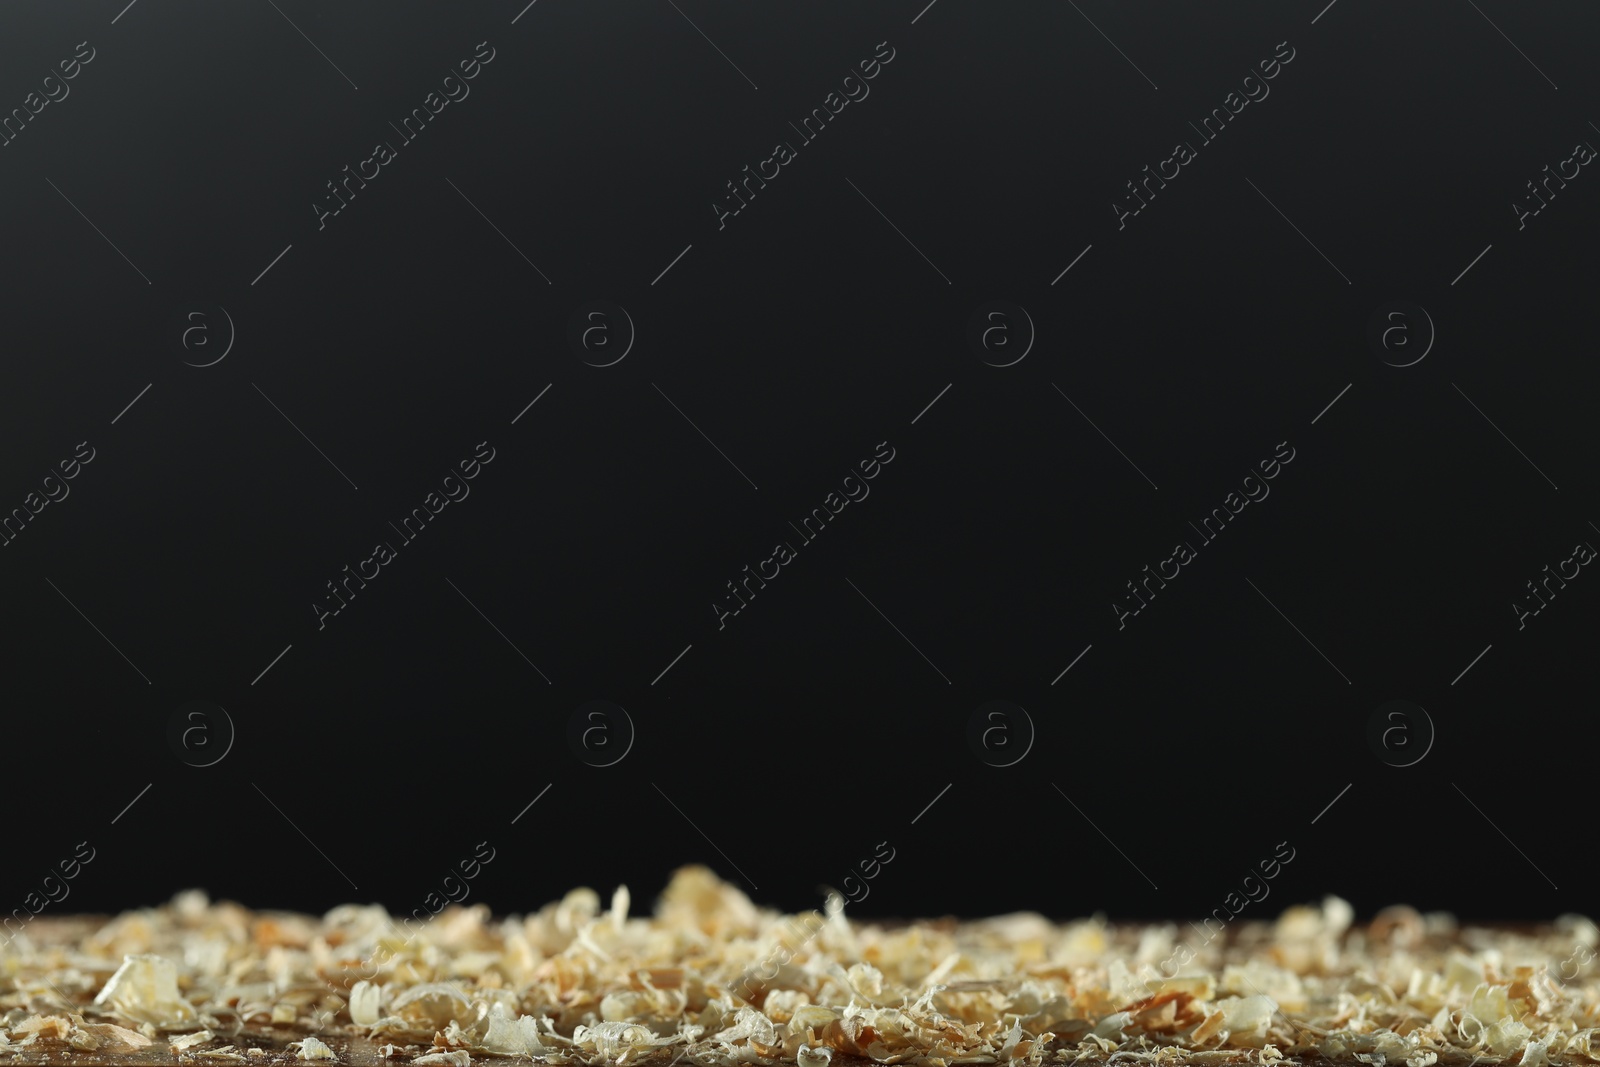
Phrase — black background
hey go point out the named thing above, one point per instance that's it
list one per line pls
(808, 330)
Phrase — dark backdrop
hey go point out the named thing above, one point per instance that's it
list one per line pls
(1153, 760)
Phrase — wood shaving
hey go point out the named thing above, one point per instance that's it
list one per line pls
(712, 980)
(187, 1041)
(312, 1049)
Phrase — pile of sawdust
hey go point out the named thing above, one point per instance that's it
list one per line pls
(713, 980)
